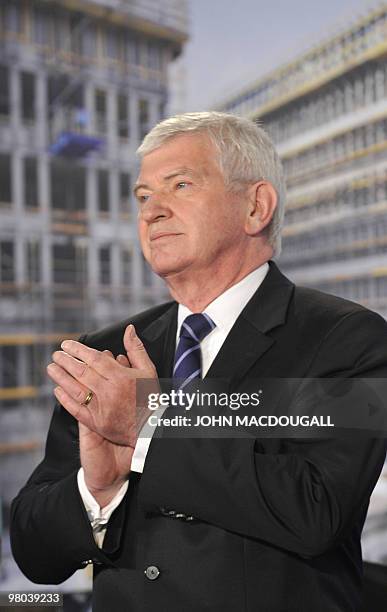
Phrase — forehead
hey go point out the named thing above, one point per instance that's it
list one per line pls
(192, 151)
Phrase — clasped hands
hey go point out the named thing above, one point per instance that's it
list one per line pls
(110, 423)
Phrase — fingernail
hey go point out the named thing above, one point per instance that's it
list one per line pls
(132, 331)
(65, 344)
(58, 391)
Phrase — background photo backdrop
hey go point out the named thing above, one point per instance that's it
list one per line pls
(77, 95)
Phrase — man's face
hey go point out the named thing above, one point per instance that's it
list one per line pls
(188, 221)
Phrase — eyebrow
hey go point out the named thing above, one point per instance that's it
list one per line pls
(167, 177)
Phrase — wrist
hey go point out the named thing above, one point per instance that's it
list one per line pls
(104, 495)
(100, 490)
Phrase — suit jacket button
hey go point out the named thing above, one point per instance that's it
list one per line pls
(152, 572)
(96, 562)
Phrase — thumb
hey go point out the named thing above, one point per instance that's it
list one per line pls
(137, 355)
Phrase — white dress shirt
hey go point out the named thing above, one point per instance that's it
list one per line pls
(224, 311)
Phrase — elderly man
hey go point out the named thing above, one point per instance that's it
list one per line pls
(194, 524)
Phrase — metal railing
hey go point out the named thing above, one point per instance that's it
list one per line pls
(322, 63)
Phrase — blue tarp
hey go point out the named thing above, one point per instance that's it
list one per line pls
(71, 144)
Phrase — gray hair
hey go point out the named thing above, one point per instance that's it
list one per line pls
(245, 154)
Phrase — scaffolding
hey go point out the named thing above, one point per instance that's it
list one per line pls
(327, 113)
(80, 84)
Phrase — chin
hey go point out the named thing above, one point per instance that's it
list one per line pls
(167, 267)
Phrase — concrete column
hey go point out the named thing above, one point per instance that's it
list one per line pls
(115, 252)
(14, 77)
(91, 197)
(44, 187)
(134, 131)
(91, 179)
(41, 110)
(17, 182)
(46, 260)
(19, 250)
(116, 267)
(114, 195)
(112, 122)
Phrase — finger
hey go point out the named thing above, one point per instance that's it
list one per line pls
(137, 355)
(124, 361)
(79, 412)
(72, 387)
(79, 370)
(99, 361)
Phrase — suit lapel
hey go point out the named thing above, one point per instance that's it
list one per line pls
(247, 341)
(249, 338)
(159, 339)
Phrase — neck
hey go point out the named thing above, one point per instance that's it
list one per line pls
(199, 290)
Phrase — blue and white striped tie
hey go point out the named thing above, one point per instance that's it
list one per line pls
(188, 357)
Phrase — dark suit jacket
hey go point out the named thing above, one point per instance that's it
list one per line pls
(277, 521)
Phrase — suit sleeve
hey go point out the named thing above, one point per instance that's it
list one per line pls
(305, 496)
(51, 535)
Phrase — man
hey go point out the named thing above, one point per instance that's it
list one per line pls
(197, 524)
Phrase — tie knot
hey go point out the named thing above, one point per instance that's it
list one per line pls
(196, 326)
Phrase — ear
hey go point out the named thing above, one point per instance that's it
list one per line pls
(262, 202)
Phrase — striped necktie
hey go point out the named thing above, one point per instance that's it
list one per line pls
(188, 357)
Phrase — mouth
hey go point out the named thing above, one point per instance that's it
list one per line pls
(161, 235)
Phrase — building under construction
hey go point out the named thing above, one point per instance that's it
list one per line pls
(327, 114)
(81, 83)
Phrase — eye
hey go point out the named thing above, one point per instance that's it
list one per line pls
(181, 184)
(143, 198)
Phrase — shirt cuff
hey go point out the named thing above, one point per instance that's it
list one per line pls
(143, 442)
(98, 516)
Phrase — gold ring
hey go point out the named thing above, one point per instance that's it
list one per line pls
(88, 398)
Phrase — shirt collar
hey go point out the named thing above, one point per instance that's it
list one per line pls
(226, 308)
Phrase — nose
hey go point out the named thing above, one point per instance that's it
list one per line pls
(154, 209)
